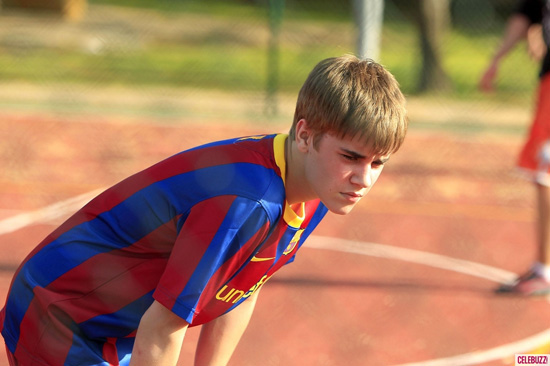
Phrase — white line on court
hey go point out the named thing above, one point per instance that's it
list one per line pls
(451, 264)
(497, 353)
(65, 207)
(411, 255)
(47, 213)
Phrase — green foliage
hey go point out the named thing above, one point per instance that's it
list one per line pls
(229, 9)
(228, 60)
(465, 55)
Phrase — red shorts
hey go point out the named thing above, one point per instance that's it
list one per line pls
(534, 159)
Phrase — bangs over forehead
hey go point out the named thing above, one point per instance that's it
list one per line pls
(355, 99)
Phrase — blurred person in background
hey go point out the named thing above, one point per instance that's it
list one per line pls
(531, 21)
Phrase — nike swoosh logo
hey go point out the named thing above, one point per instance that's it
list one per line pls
(256, 259)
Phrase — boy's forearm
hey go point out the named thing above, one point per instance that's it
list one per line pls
(159, 338)
(516, 30)
(161, 351)
(219, 338)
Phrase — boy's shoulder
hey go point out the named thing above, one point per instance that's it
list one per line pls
(249, 166)
(262, 144)
(264, 150)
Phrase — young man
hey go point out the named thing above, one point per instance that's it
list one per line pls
(191, 240)
(534, 159)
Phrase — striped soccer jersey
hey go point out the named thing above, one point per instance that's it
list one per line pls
(199, 232)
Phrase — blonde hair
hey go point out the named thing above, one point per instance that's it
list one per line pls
(353, 98)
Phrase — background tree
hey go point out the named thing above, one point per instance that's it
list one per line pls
(432, 18)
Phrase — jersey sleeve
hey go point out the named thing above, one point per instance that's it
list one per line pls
(216, 239)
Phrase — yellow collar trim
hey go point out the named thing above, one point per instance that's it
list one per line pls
(290, 216)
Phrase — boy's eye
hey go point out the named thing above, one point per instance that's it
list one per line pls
(349, 157)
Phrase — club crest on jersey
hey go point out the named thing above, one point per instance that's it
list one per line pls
(293, 242)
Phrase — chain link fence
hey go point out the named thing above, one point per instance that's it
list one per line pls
(244, 62)
(260, 52)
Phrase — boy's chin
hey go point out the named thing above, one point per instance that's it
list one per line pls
(342, 210)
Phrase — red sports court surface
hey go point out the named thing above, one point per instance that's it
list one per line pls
(406, 278)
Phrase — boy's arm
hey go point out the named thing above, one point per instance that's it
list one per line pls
(516, 30)
(219, 337)
(159, 337)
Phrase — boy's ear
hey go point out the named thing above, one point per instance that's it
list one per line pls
(303, 136)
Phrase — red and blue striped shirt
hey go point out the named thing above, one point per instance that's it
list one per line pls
(199, 232)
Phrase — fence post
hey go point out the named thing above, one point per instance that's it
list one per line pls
(275, 13)
(369, 16)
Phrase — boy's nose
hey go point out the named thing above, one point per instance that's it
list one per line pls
(363, 177)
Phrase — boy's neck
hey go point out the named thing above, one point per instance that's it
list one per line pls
(295, 180)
